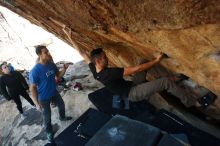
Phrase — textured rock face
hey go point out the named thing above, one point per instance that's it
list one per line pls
(188, 31)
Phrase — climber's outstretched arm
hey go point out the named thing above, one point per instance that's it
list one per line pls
(83, 53)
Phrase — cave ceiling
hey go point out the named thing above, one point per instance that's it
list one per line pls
(187, 31)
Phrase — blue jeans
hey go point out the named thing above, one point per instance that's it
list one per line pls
(46, 110)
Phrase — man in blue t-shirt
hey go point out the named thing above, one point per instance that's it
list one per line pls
(43, 88)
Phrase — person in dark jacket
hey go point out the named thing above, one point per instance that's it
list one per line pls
(12, 85)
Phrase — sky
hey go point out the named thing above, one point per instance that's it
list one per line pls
(25, 35)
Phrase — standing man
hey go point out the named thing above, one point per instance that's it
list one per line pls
(16, 85)
(43, 88)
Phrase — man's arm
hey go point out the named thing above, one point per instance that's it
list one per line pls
(33, 90)
(139, 68)
(85, 56)
(83, 53)
(61, 73)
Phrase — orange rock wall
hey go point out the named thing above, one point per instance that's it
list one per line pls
(188, 31)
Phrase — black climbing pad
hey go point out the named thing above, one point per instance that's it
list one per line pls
(173, 124)
(102, 99)
(81, 130)
(168, 140)
(141, 111)
(92, 123)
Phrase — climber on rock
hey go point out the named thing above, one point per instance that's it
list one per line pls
(139, 89)
(12, 85)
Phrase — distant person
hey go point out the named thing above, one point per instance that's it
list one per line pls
(12, 85)
(43, 88)
(11, 68)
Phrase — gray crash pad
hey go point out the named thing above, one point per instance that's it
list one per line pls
(122, 131)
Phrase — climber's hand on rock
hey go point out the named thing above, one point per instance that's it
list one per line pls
(159, 57)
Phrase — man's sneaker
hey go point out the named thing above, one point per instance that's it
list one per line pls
(66, 119)
(50, 137)
(207, 100)
(23, 116)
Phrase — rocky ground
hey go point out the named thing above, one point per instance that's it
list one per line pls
(29, 132)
